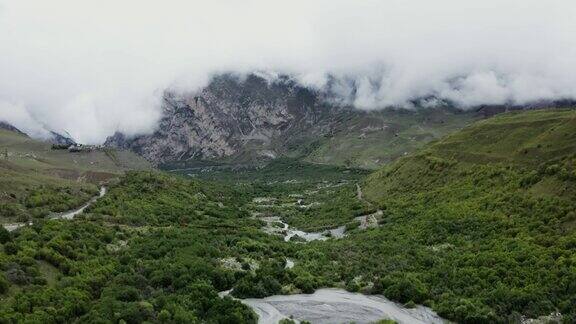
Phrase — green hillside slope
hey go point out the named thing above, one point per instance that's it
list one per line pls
(371, 139)
(36, 180)
(542, 143)
(482, 223)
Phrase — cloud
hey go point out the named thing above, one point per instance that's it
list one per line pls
(19, 115)
(93, 67)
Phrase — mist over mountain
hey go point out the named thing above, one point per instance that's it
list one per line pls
(267, 161)
(92, 69)
(6, 126)
(250, 118)
(234, 116)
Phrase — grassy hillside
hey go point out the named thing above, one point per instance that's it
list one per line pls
(520, 138)
(527, 142)
(481, 224)
(371, 139)
(36, 180)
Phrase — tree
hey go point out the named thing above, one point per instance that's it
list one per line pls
(4, 235)
(4, 285)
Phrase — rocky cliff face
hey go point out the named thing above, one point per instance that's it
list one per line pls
(244, 120)
(234, 118)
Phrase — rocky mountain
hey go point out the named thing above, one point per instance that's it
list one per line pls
(6, 126)
(232, 118)
(59, 139)
(246, 119)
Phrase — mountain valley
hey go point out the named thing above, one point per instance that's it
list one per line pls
(478, 226)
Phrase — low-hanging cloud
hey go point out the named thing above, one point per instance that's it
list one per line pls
(93, 67)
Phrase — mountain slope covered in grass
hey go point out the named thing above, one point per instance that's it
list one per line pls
(374, 138)
(36, 180)
(541, 144)
(481, 224)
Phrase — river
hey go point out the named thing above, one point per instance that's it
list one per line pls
(337, 306)
(332, 305)
(288, 233)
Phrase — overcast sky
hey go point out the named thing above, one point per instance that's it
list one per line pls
(93, 67)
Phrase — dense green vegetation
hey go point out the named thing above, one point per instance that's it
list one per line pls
(107, 272)
(310, 206)
(155, 248)
(157, 199)
(279, 171)
(481, 223)
(308, 196)
(477, 249)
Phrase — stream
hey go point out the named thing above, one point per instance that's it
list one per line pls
(64, 215)
(324, 306)
(330, 305)
(288, 233)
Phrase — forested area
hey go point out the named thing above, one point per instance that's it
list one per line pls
(104, 271)
(195, 239)
(485, 252)
(487, 245)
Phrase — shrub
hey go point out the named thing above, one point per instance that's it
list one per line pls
(404, 288)
(352, 225)
(4, 235)
(4, 284)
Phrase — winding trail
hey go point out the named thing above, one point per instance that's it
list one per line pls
(64, 215)
(359, 193)
(369, 220)
(72, 213)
